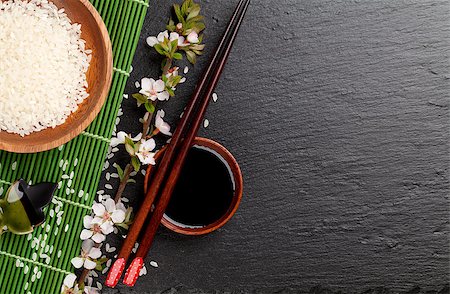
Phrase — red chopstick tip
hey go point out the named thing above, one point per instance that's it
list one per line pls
(115, 273)
(133, 271)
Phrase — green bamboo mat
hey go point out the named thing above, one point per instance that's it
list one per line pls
(39, 262)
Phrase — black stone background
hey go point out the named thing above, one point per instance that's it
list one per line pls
(337, 112)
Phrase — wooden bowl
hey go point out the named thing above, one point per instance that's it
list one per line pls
(237, 175)
(99, 78)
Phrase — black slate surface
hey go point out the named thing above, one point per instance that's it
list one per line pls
(337, 112)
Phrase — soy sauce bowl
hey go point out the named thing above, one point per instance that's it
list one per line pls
(236, 177)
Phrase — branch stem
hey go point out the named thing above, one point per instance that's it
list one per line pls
(147, 122)
(129, 168)
(123, 183)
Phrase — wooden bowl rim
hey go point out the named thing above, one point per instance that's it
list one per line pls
(93, 112)
(237, 174)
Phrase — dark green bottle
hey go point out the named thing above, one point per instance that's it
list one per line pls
(21, 206)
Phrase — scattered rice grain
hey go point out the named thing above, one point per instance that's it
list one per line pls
(143, 271)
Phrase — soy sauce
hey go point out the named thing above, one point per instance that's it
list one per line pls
(204, 191)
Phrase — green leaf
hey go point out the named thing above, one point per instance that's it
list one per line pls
(141, 99)
(165, 46)
(195, 19)
(177, 9)
(129, 146)
(185, 6)
(123, 226)
(136, 163)
(176, 80)
(128, 213)
(197, 47)
(171, 92)
(130, 149)
(199, 27)
(171, 26)
(131, 181)
(119, 170)
(178, 56)
(159, 49)
(191, 57)
(136, 147)
(128, 141)
(193, 12)
(149, 107)
(174, 45)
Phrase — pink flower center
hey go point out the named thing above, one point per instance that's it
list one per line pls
(153, 92)
(106, 216)
(96, 228)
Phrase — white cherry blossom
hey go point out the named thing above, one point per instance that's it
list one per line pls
(107, 214)
(145, 154)
(120, 139)
(92, 230)
(88, 254)
(154, 90)
(69, 286)
(192, 38)
(160, 124)
(176, 36)
(152, 41)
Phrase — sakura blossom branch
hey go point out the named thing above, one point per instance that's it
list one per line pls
(183, 35)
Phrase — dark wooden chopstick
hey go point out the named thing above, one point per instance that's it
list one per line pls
(149, 233)
(168, 171)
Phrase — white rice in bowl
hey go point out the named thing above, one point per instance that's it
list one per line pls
(43, 65)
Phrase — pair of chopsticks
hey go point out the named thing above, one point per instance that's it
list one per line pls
(172, 162)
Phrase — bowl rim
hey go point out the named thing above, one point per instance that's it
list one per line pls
(93, 112)
(237, 197)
